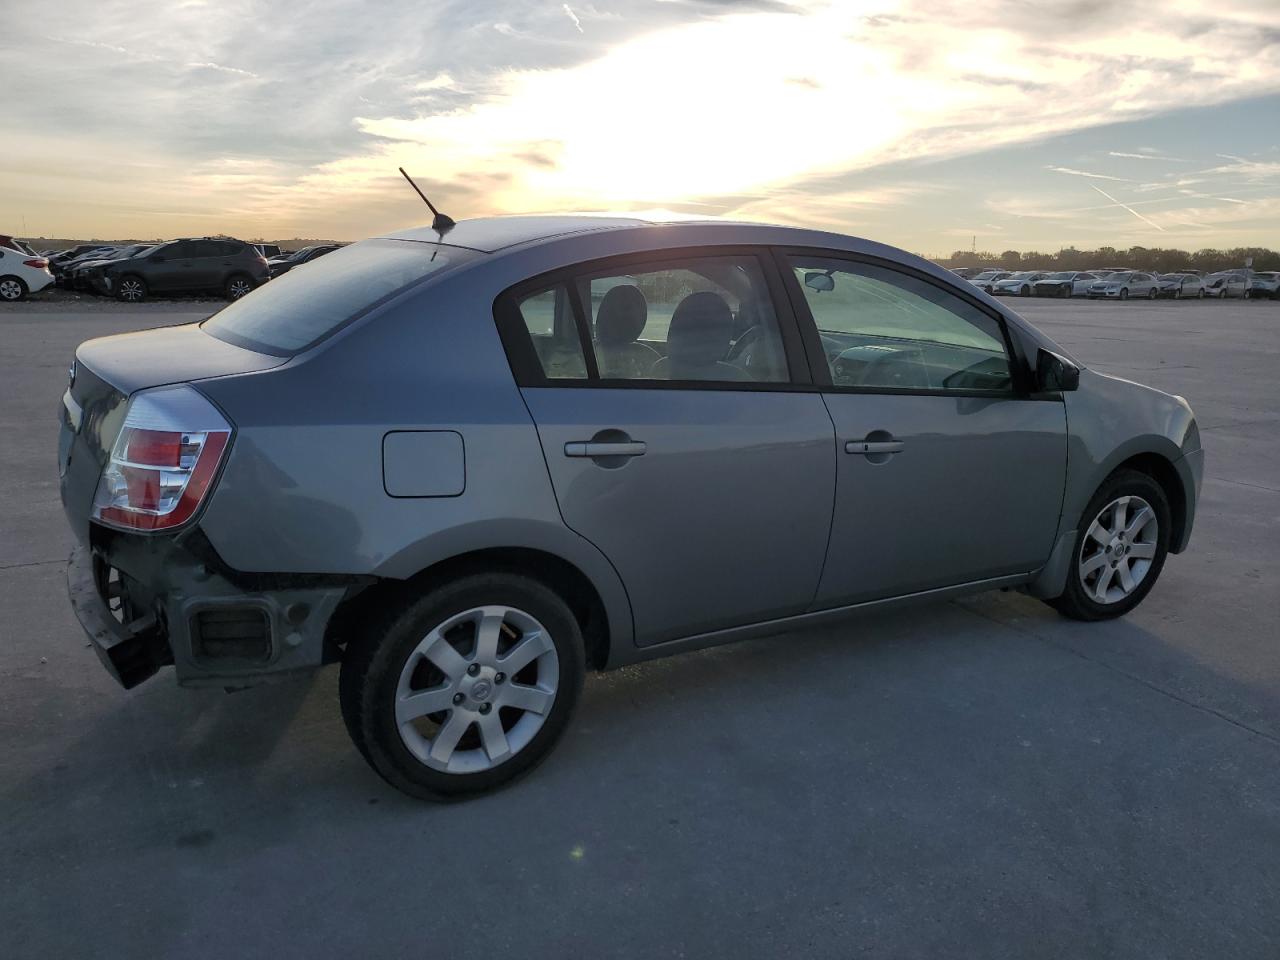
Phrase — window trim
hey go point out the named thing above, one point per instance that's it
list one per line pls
(1022, 384)
(527, 370)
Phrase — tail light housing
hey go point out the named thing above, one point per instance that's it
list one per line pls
(164, 461)
(40, 263)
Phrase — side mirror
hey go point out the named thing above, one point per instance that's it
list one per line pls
(1055, 374)
(819, 281)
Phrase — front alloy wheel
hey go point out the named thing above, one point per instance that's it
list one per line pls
(131, 290)
(1118, 549)
(466, 688)
(1121, 549)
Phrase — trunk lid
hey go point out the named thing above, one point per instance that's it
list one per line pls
(106, 373)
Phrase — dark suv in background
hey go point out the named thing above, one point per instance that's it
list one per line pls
(196, 265)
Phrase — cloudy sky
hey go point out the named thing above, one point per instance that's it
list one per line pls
(923, 123)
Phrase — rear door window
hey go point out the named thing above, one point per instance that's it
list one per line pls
(297, 310)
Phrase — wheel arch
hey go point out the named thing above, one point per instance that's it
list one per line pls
(594, 593)
(1162, 470)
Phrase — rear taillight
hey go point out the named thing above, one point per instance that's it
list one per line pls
(163, 462)
(40, 263)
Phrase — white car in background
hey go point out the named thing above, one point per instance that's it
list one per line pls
(1266, 284)
(1180, 285)
(1224, 285)
(1066, 283)
(1125, 284)
(21, 273)
(986, 278)
(1018, 284)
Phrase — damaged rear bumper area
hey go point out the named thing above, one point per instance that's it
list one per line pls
(149, 602)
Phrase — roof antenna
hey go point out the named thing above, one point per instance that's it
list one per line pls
(441, 223)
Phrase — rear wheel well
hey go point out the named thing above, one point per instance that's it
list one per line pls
(1160, 470)
(570, 583)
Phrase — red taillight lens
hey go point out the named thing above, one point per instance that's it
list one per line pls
(40, 263)
(163, 462)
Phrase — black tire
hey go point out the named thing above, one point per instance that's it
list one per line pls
(238, 285)
(1124, 293)
(131, 288)
(12, 289)
(373, 663)
(1025, 291)
(1074, 601)
(1200, 295)
(1151, 294)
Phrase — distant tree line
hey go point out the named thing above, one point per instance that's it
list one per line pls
(1138, 258)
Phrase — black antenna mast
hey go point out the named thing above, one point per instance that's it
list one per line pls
(441, 222)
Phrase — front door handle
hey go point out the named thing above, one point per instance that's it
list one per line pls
(874, 446)
(605, 448)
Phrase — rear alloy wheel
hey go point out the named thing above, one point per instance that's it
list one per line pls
(1151, 294)
(1025, 291)
(467, 688)
(238, 286)
(12, 289)
(131, 290)
(1124, 540)
(1200, 295)
(1124, 294)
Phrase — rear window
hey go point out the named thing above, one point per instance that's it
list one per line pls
(294, 311)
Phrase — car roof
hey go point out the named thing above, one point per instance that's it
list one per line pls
(493, 234)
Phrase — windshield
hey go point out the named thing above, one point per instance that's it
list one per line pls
(295, 311)
(1119, 277)
(1027, 275)
(1060, 276)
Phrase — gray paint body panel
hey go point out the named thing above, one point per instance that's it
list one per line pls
(722, 521)
(975, 493)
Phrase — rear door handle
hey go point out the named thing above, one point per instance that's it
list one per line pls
(865, 447)
(595, 448)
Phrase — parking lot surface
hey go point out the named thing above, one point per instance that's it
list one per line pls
(979, 778)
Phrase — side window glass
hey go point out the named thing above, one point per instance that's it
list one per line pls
(882, 329)
(549, 319)
(698, 319)
(178, 251)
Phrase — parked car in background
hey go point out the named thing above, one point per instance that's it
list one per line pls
(1265, 284)
(1224, 285)
(965, 272)
(283, 264)
(986, 278)
(1067, 283)
(268, 250)
(1123, 285)
(195, 265)
(14, 243)
(67, 267)
(63, 257)
(1180, 285)
(1016, 284)
(78, 275)
(21, 274)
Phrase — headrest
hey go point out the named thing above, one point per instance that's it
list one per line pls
(701, 329)
(622, 315)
